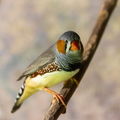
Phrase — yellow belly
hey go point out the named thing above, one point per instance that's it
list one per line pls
(49, 79)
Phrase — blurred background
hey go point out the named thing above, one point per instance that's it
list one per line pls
(28, 27)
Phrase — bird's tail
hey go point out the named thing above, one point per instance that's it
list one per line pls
(18, 100)
(23, 94)
(15, 107)
(28, 88)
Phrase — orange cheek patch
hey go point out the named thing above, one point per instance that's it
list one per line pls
(61, 46)
(75, 45)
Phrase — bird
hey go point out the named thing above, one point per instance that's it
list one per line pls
(57, 64)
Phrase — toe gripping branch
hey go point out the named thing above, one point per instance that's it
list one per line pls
(59, 98)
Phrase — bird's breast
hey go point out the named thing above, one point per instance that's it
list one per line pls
(50, 79)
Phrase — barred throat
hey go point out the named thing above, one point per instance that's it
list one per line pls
(69, 65)
(69, 62)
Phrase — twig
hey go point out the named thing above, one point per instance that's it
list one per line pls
(69, 88)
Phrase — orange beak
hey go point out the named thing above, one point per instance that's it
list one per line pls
(75, 45)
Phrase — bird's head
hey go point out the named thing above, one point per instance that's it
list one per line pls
(69, 49)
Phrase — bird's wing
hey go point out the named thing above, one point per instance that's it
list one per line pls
(43, 60)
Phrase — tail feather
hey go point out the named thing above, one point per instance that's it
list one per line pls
(15, 107)
(28, 88)
(18, 102)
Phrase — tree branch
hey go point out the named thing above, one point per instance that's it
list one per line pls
(69, 88)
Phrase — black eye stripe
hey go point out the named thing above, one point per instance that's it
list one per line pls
(66, 44)
(66, 41)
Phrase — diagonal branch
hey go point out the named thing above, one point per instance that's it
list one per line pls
(69, 88)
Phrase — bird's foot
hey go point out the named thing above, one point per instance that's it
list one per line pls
(75, 81)
(59, 98)
(70, 82)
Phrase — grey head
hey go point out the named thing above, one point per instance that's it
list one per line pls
(69, 51)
